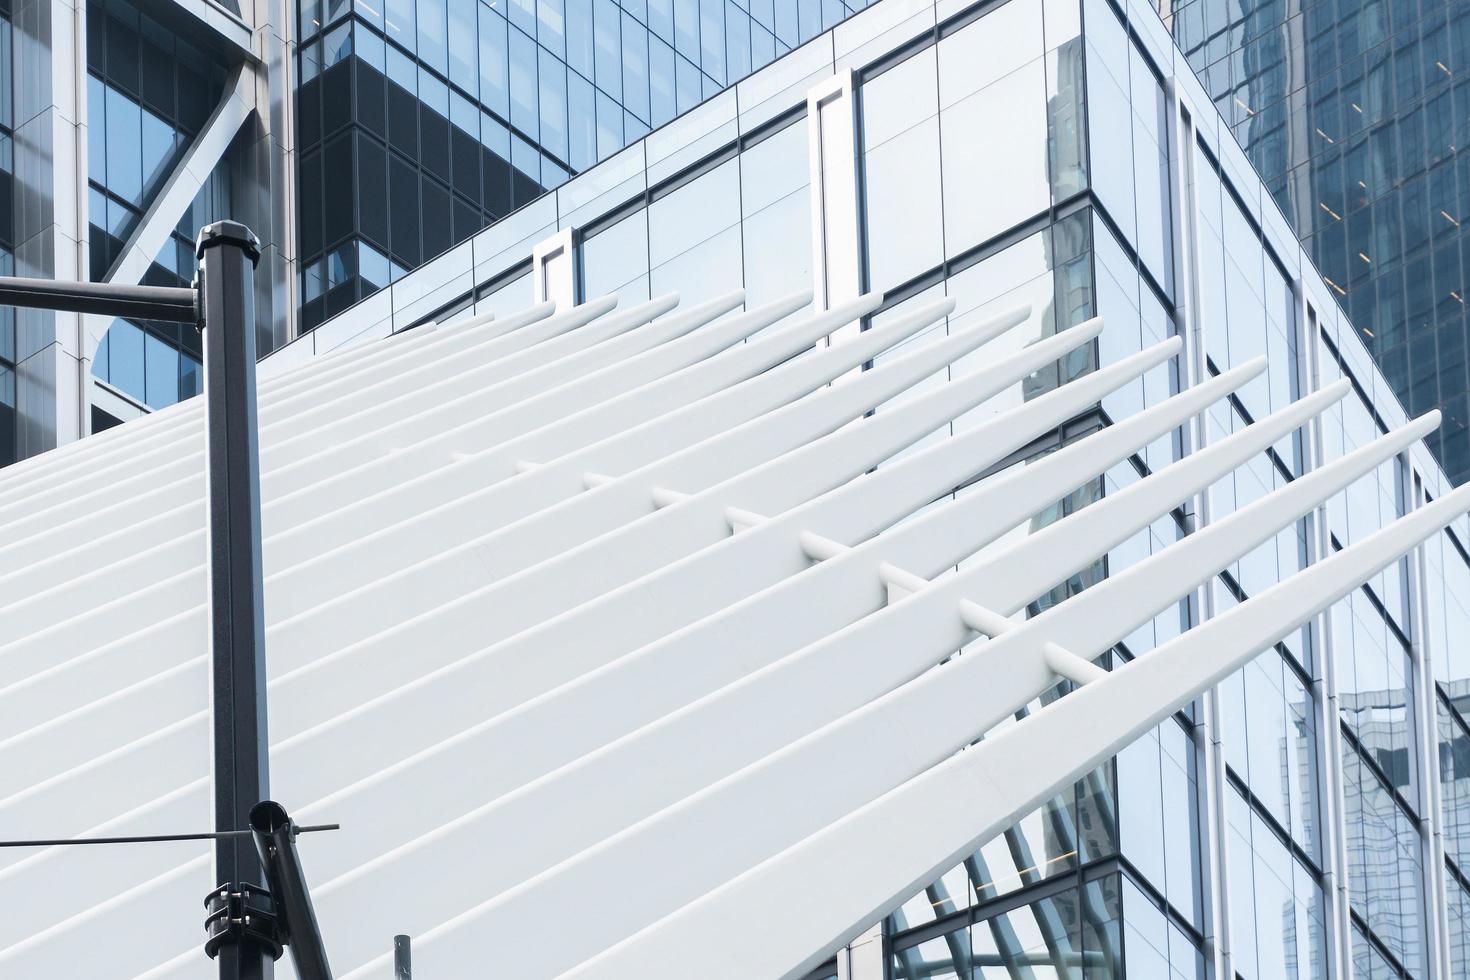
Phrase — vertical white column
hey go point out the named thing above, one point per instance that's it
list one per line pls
(837, 278)
(831, 113)
(554, 270)
(1189, 324)
(1426, 728)
(1324, 677)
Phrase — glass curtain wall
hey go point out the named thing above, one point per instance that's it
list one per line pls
(1357, 115)
(9, 355)
(149, 93)
(423, 121)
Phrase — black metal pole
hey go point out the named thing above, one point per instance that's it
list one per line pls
(172, 303)
(275, 842)
(402, 958)
(227, 253)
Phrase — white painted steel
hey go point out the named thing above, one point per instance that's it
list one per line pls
(630, 583)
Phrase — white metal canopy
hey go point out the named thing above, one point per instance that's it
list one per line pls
(557, 600)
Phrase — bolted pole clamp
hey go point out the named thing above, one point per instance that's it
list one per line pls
(240, 915)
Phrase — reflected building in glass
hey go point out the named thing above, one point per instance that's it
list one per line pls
(1356, 113)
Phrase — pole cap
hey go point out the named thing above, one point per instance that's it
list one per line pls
(228, 233)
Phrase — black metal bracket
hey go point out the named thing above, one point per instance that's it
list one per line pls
(240, 914)
(252, 920)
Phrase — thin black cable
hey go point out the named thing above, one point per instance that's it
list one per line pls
(156, 838)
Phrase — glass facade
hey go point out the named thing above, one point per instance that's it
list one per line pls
(424, 121)
(1290, 822)
(1356, 114)
(9, 353)
(149, 93)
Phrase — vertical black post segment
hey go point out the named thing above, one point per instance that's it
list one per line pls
(402, 958)
(227, 253)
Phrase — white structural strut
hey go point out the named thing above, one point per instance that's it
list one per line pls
(556, 600)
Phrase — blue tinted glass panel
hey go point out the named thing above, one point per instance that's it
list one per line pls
(124, 147)
(607, 19)
(463, 35)
(433, 29)
(494, 62)
(635, 68)
(553, 105)
(126, 360)
(581, 121)
(524, 114)
(162, 372)
(581, 46)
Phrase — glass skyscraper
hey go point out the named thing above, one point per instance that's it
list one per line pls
(1357, 116)
(422, 122)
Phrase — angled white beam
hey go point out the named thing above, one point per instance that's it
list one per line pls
(810, 899)
(575, 726)
(183, 184)
(40, 687)
(165, 445)
(841, 455)
(957, 702)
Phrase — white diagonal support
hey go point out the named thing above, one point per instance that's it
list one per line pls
(183, 184)
(553, 598)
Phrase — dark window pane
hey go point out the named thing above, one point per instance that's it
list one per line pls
(371, 106)
(310, 195)
(403, 120)
(435, 131)
(372, 172)
(336, 97)
(309, 113)
(403, 194)
(497, 183)
(122, 53)
(158, 77)
(436, 218)
(338, 193)
(467, 165)
(466, 220)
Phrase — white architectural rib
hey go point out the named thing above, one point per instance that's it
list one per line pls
(605, 563)
(138, 480)
(574, 350)
(591, 589)
(897, 427)
(470, 539)
(150, 606)
(122, 564)
(695, 746)
(545, 732)
(802, 786)
(179, 428)
(807, 901)
(39, 693)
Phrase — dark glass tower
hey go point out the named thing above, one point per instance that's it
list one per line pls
(422, 121)
(1357, 115)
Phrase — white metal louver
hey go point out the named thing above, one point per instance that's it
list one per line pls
(611, 608)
